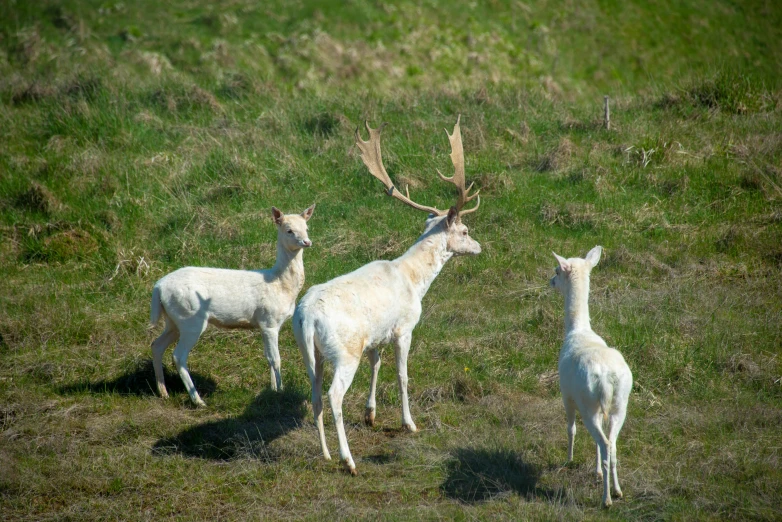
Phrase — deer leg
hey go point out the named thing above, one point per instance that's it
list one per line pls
(159, 345)
(374, 362)
(402, 349)
(317, 403)
(344, 371)
(272, 352)
(313, 362)
(188, 339)
(570, 412)
(615, 422)
(593, 424)
(598, 465)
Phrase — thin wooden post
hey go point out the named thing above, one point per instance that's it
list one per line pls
(606, 112)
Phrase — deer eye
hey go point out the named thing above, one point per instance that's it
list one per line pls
(464, 233)
(290, 231)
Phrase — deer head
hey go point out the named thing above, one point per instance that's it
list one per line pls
(574, 269)
(458, 241)
(292, 228)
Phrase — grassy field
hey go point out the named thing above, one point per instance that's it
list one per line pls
(139, 137)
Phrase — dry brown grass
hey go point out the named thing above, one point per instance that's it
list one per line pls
(558, 158)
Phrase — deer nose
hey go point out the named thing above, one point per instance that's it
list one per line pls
(307, 243)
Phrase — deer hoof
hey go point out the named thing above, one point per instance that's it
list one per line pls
(369, 417)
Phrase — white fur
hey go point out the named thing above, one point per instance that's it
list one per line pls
(378, 303)
(191, 298)
(593, 378)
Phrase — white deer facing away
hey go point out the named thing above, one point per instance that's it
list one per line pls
(191, 298)
(593, 378)
(380, 302)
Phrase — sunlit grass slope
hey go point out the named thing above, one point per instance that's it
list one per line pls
(139, 137)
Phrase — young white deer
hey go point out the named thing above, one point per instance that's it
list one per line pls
(191, 298)
(593, 378)
(380, 302)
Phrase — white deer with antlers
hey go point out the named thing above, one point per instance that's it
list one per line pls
(380, 302)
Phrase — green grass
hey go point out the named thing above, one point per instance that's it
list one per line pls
(139, 137)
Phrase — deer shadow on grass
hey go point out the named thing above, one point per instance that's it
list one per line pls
(139, 380)
(270, 415)
(476, 475)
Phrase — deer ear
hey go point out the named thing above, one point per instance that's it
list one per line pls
(453, 215)
(563, 263)
(307, 214)
(594, 256)
(276, 216)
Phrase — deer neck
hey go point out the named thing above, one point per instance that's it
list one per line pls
(422, 263)
(289, 269)
(577, 306)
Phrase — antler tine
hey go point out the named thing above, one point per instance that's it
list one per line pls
(370, 154)
(457, 158)
(373, 159)
(473, 209)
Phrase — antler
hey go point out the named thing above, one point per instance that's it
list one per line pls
(370, 155)
(457, 158)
